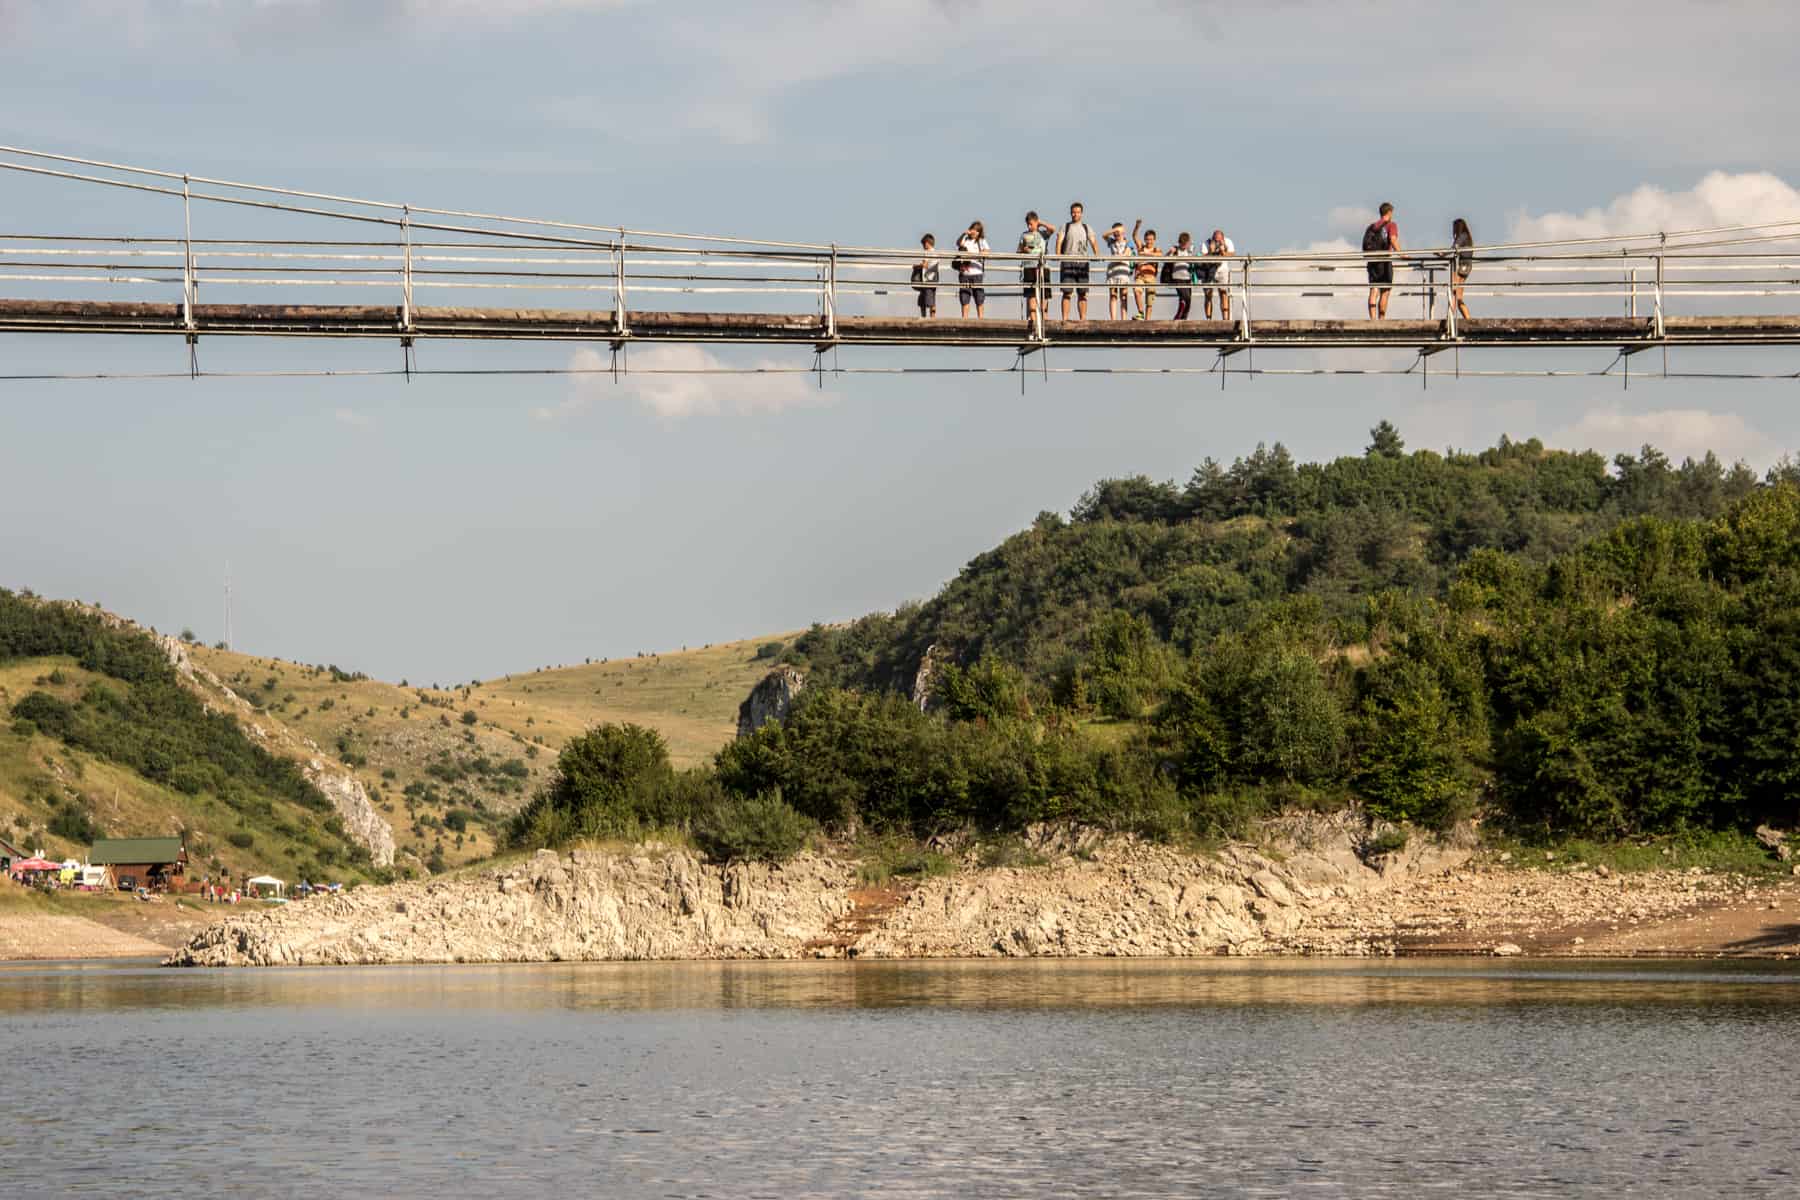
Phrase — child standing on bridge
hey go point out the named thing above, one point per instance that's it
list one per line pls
(1119, 249)
(1178, 269)
(926, 271)
(1218, 274)
(1034, 274)
(1145, 291)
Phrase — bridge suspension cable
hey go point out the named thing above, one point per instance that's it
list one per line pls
(411, 272)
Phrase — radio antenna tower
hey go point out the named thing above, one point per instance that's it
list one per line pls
(228, 606)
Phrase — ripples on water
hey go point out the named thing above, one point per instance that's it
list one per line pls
(904, 1079)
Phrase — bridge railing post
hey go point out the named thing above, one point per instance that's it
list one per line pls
(1244, 300)
(1043, 293)
(619, 325)
(1662, 246)
(406, 279)
(187, 258)
(1450, 296)
(831, 294)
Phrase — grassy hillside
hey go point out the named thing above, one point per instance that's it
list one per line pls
(445, 765)
(103, 737)
(57, 797)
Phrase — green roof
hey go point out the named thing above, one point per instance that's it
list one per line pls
(108, 851)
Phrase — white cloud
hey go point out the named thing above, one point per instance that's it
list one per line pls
(1720, 199)
(677, 382)
(1348, 218)
(1678, 432)
(352, 418)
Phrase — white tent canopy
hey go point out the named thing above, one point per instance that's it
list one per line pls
(268, 883)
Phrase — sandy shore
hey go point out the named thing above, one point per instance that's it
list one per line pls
(78, 927)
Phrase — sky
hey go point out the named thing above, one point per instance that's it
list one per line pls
(455, 528)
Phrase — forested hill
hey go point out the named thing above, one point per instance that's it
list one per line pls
(1214, 555)
(1567, 647)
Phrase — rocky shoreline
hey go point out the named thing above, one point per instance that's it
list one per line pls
(1091, 897)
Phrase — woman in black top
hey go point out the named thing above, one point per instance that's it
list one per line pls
(1461, 263)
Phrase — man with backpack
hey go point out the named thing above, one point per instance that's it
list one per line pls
(1381, 238)
(1077, 239)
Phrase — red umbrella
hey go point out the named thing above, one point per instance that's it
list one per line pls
(36, 864)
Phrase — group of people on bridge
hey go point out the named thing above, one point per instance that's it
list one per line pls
(1136, 266)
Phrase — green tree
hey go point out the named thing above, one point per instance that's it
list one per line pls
(1384, 441)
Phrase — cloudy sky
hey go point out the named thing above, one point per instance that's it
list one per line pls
(461, 527)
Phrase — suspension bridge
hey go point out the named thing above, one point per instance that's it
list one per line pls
(299, 264)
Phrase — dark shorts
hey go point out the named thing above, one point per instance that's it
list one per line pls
(927, 297)
(1029, 275)
(1206, 272)
(1381, 273)
(971, 294)
(1074, 272)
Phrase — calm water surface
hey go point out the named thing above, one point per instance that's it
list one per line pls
(1218, 1078)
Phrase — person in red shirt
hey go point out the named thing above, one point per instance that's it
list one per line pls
(1381, 238)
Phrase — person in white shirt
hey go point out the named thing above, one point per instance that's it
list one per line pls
(1216, 276)
(1121, 250)
(971, 269)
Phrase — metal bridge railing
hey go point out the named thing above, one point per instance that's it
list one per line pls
(263, 245)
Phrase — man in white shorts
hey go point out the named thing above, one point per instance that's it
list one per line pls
(1216, 277)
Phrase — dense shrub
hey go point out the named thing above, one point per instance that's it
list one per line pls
(72, 823)
(613, 781)
(762, 828)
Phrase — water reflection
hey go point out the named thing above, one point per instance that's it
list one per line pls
(981, 984)
(992, 1079)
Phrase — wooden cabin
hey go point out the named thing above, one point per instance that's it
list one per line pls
(157, 863)
(9, 854)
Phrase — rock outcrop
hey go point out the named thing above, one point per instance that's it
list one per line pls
(1115, 896)
(770, 699)
(581, 906)
(931, 663)
(350, 798)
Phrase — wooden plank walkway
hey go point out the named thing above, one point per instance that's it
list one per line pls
(385, 321)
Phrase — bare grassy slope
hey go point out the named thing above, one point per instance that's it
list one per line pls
(39, 775)
(446, 765)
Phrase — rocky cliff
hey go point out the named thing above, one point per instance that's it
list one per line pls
(1099, 897)
(769, 700)
(349, 798)
(585, 905)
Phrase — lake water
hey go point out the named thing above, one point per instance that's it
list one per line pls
(1217, 1078)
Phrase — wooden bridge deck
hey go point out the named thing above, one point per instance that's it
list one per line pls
(385, 321)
